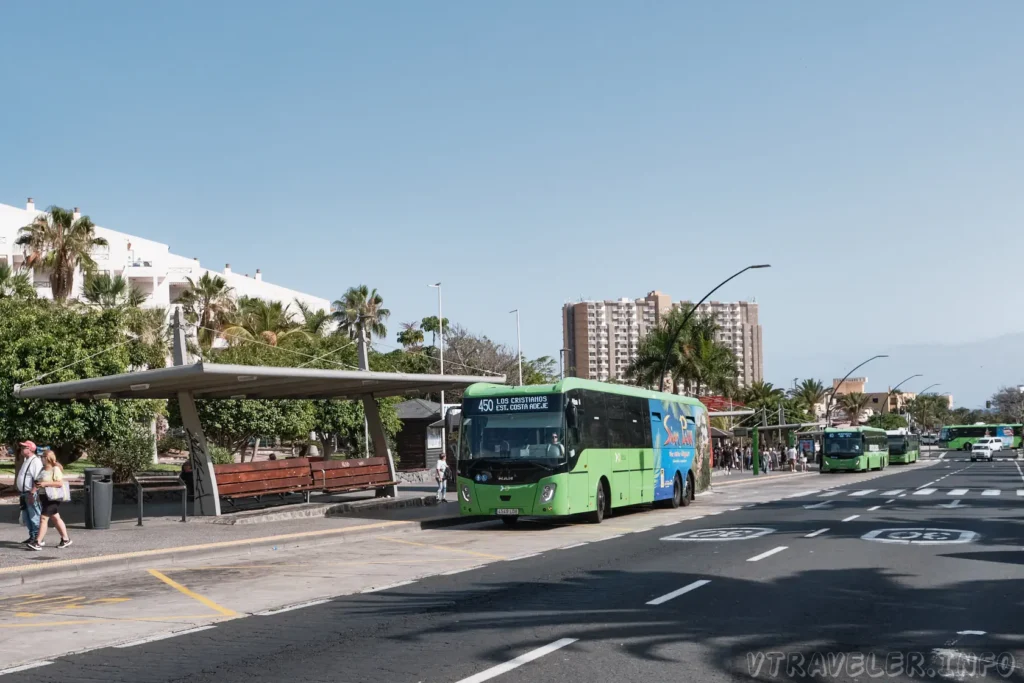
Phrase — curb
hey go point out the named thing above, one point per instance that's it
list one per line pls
(762, 478)
(168, 557)
(325, 510)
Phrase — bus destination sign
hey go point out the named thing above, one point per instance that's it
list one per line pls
(500, 405)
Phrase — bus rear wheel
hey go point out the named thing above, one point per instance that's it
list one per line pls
(601, 503)
(687, 492)
(677, 492)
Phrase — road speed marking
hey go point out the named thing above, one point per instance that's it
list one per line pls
(736, 533)
(920, 536)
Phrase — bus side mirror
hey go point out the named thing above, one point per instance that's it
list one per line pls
(571, 415)
(449, 421)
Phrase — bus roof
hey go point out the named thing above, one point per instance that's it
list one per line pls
(876, 430)
(984, 424)
(484, 389)
(902, 431)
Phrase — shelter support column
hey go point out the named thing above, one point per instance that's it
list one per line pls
(204, 480)
(380, 444)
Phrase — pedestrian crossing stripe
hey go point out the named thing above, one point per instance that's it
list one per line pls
(863, 492)
(958, 492)
(991, 492)
(891, 493)
(924, 492)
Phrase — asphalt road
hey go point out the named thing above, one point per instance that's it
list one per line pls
(915, 575)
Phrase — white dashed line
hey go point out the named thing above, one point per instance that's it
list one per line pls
(851, 518)
(891, 500)
(863, 492)
(164, 636)
(758, 558)
(518, 661)
(892, 493)
(958, 492)
(819, 532)
(680, 591)
(874, 508)
(924, 486)
(289, 608)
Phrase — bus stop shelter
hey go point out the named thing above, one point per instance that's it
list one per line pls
(206, 381)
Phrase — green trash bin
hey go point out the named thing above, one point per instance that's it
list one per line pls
(99, 497)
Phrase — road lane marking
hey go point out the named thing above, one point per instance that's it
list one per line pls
(192, 594)
(608, 538)
(459, 571)
(1020, 492)
(891, 500)
(24, 667)
(769, 553)
(958, 492)
(851, 518)
(924, 492)
(892, 493)
(574, 545)
(518, 661)
(443, 547)
(924, 486)
(679, 591)
(874, 508)
(290, 608)
(831, 493)
(991, 492)
(819, 532)
(522, 557)
(389, 586)
(165, 636)
(863, 492)
(970, 633)
(1019, 471)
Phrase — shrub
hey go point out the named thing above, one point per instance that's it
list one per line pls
(128, 454)
(220, 455)
(171, 443)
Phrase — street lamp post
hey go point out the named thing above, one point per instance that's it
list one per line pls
(519, 346)
(828, 405)
(689, 314)
(930, 386)
(563, 354)
(893, 390)
(440, 337)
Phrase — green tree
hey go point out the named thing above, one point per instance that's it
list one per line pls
(809, 393)
(316, 322)
(646, 367)
(106, 291)
(208, 303)
(432, 325)
(15, 284)
(41, 339)
(762, 394)
(543, 370)
(269, 322)
(887, 421)
(60, 244)
(853, 404)
(929, 411)
(411, 337)
(361, 311)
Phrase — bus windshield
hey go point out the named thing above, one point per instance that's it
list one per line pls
(897, 445)
(513, 437)
(844, 444)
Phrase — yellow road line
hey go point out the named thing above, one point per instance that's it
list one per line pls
(192, 594)
(441, 547)
(205, 546)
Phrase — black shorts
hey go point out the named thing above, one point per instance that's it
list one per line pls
(50, 507)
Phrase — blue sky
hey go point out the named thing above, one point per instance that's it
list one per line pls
(531, 153)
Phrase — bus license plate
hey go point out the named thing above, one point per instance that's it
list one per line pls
(507, 511)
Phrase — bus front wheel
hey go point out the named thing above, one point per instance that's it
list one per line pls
(601, 502)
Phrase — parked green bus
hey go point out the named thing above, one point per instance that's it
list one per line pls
(962, 437)
(578, 447)
(854, 449)
(904, 447)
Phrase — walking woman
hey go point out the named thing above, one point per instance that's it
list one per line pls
(51, 479)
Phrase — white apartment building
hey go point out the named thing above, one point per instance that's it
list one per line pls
(148, 265)
(740, 331)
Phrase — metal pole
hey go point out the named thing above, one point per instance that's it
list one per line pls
(893, 390)
(689, 314)
(828, 405)
(440, 326)
(519, 346)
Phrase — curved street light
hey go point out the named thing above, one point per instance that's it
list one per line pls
(689, 314)
(828, 405)
(930, 386)
(893, 390)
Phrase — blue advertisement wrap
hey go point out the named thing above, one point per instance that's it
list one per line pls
(678, 430)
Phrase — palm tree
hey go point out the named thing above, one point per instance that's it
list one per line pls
(267, 321)
(411, 337)
(762, 393)
(359, 311)
(316, 322)
(714, 367)
(853, 404)
(208, 303)
(646, 367)
(432, 325)
(60, 244)
(111, 292)
(809, 393)
(15, 284)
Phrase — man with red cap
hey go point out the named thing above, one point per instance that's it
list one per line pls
(26, 483)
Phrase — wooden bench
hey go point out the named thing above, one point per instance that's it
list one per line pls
(335, 476)
(258, 479)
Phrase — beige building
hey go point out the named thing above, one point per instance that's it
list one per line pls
(601, 338)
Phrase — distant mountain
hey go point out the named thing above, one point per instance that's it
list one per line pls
(971, 371)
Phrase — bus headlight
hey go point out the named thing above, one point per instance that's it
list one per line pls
(548, 492)
(465, 493)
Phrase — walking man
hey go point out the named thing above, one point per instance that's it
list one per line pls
(441, 476)
(30, 468)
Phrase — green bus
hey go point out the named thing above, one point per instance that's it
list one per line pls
(962, 437)
(904, 447)
(854, 449)
(578, 447)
